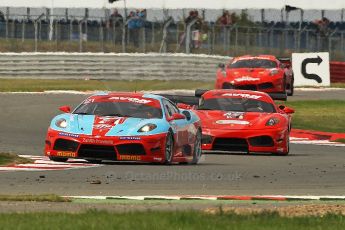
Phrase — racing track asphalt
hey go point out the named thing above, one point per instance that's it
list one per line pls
(308, 170)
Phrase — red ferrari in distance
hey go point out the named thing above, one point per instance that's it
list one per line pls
(261, 73)
(243, 121)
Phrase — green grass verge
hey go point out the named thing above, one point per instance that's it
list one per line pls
(46, 197)
(165, 220)
(340, 140)
(324, 115)
(11, 158)
(39, 85)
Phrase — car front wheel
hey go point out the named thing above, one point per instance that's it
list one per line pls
(58, 159)
(197, 149)
(169, 147)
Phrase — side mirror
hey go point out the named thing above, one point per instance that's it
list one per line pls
(65, 109)
(285, 109)
(288, 110)
(177, 116)
(221, 65)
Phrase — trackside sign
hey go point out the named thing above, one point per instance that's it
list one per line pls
(311, 69)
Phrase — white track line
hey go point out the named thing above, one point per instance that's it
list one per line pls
(212, 197)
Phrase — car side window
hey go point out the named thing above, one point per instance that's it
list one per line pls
(169, 108)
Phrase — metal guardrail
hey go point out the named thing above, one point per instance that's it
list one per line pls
(109, 66)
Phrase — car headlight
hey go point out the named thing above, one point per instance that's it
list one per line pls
(274, 72)
(62, 123)
(147, 128)
(272, 121)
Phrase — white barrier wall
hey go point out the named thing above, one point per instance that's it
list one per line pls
(109, 66)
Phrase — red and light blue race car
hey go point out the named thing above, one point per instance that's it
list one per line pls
(262, 73)
(125, 127)
(243, 121)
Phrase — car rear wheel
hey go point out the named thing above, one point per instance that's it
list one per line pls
(58, 159)
(291, 90)
(227, 85)
(197, 149)
(169, 147)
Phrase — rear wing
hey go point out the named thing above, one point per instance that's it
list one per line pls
(274, 96)
(184, 99)
(285, 61)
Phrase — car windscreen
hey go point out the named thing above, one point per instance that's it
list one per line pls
(253, 63)
(120, 109)
(236, 104)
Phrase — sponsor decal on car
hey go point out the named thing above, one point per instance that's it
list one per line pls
(234, 122)
(130, 138)
(68, 135)
(131, 99)
(243, 95)
(129, 158)
(89, 100)
(157, 158)
(66, 154)
(97, 141)
(246, 78)
(238, 115)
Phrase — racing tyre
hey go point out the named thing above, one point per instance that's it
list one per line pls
(169, 149)
(197, 149)
(291, 91)
(227, 85)
(92, 161)
(58, 159)
(285, 153)
(284, 84)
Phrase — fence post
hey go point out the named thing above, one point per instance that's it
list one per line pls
(236, 39)
(213, 38)
(153, 34)
(101, 36)
(7, 19)
(342, 44)
(144, 38)
(124, 35)
(23, 30)
(35, 26)
(163, 46)
(71, 29)
(80, 37)
(188, 35)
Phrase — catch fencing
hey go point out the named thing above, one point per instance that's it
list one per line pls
(81, 35)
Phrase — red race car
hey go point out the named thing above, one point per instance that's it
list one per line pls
(244, 121)
(262, 73)
(125, 127)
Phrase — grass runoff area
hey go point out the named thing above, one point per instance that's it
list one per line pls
(11, 158)
(323, 115)
(40, 85)
(93, 219)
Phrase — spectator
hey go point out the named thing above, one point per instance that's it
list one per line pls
(136, 21)
(196, 30)
(2, 16)
(225, 19)
(116, 18)
(322, 26)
